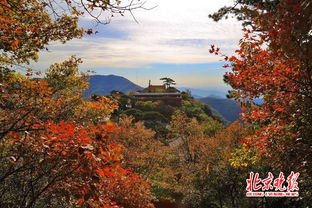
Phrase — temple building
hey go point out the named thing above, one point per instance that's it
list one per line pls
(159, 93)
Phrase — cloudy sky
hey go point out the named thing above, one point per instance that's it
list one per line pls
(171, 40)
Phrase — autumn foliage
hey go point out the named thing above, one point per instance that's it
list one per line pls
(274, 63)
(54, 147)
(74, 164)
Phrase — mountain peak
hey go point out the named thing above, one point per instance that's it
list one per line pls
(104, 84)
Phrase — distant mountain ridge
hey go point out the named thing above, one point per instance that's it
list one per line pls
(229, 109)
(104, 84)
(202, 93)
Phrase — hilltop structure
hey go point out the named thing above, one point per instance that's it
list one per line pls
(159, 93)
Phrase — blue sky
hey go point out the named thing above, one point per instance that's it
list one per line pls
(172, 40)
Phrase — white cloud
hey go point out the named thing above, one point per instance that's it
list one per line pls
(177, 31)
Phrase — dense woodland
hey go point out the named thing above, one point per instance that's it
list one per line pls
(58, 149)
